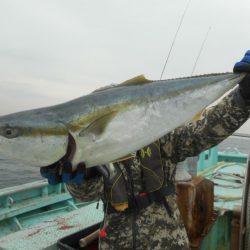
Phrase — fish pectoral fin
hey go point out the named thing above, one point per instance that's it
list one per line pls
(98, 126)
(136, 81)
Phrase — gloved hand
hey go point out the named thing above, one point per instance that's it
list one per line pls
(63, 173)
(244, 67)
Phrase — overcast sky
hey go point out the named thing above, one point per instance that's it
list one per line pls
(52, 51)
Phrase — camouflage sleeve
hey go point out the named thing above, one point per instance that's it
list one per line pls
(90, 190)
(216, 124)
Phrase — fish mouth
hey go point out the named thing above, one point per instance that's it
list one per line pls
(67, 158)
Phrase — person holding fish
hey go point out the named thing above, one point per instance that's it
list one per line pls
(138, 191)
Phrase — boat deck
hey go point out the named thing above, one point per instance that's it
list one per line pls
(36, 215)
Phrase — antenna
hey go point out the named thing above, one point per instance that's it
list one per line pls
(172, 45)
(201, 48)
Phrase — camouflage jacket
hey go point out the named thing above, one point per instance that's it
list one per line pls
(153, 227)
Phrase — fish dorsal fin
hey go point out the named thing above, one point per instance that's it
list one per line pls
(133, 81)
(136, 81)
(98, 126)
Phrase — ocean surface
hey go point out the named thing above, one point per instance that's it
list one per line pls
(13, 173)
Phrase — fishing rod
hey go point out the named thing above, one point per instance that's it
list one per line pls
(201, 48)
(173, 42)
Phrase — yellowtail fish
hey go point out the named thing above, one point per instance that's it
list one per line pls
(109, 123)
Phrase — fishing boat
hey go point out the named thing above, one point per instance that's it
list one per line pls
(38, 216)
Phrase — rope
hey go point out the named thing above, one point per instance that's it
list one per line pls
(214, 172)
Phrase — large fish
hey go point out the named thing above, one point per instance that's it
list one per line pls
(109, 123)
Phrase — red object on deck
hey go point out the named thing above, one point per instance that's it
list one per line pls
(141, 194)
(102, 233)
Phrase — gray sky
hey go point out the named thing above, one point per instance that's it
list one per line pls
(52, 51)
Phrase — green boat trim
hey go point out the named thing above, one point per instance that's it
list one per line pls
(228, 194)
(36, 215)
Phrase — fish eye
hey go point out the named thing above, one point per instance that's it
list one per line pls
(10, 133)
